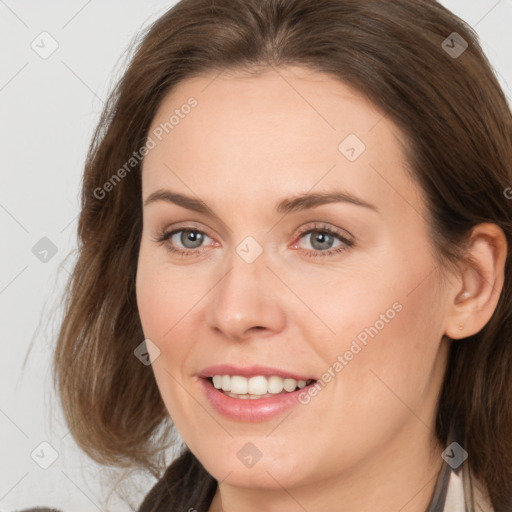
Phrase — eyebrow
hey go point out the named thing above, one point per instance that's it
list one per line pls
(285, 206)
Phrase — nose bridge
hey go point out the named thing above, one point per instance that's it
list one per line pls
(245, 297)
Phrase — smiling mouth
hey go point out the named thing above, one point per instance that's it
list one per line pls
(257, 387)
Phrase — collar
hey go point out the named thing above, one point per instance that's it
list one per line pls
(457, 490)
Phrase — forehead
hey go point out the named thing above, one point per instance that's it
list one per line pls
(282, 131)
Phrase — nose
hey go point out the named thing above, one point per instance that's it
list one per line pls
(247, 301)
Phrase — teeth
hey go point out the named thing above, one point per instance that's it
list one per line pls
(257, 386)
(275, 385)
(290, 385)
(239, 385)
(217, 381)
(226, 383)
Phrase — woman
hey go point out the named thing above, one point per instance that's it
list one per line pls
(246, 139)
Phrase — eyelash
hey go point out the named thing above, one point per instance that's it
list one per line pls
(165, 236)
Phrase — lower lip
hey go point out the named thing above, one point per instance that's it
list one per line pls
(258, 409)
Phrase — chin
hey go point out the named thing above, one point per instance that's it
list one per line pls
(248, 467)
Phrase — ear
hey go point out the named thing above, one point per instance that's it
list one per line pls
(479, 282)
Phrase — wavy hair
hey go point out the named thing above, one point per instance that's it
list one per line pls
(458, 130)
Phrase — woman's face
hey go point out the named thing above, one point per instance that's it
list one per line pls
(341, 288)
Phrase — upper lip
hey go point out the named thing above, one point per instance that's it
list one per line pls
(250, 371)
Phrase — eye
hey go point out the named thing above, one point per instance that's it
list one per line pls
(322, 240)
(183, 241)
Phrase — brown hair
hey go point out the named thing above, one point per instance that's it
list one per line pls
(458, 129)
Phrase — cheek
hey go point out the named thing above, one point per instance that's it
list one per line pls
(168, 300)
(156, 305)
(390, 347)
(384, 359)
(382, 322)
(163, 304)
(165, 294)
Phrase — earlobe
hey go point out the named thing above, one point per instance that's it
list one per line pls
(480, 282)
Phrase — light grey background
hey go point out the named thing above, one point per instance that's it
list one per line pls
(48, 110)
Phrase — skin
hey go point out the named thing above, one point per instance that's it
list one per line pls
(367, 439)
